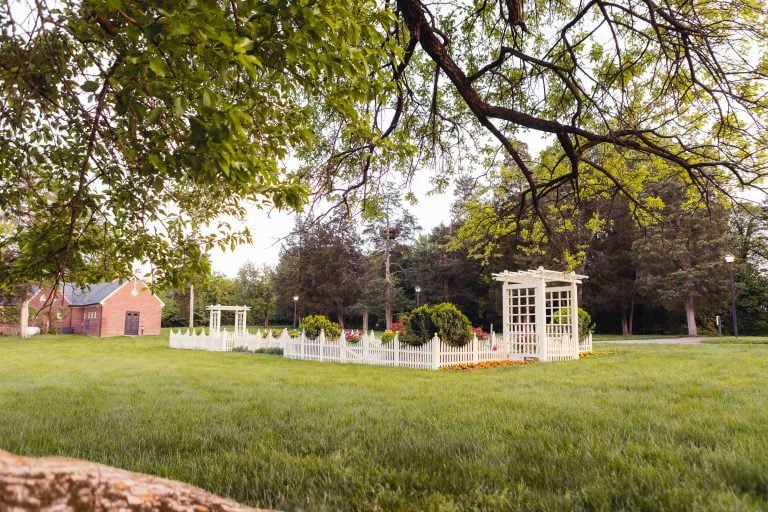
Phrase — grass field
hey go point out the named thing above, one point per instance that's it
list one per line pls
(649, 428)
(741, 340)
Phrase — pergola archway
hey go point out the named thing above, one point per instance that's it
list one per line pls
(214, 312)
(540, 313)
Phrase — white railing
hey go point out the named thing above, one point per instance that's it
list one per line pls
(221, 342)
(585, 343)
(226, 341)
(562, 348)
(371, 350)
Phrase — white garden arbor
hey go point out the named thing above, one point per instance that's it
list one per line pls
(540, 313)
(241, 313)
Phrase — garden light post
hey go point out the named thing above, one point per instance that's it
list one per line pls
(295, 303)
(418, 291)
(729, 259)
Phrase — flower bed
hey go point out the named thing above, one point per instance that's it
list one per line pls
(597, 353)
(487, 364)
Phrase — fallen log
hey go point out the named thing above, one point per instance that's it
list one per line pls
(64, 484)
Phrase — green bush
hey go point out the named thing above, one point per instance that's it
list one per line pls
(388, 337)
(313, 324)
(562, 316)
(450, 324)
(419, 328)
(277, 351)
(294, 333)
(453, 327)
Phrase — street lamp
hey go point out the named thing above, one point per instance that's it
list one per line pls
(729, 259)
(418, 291)
(295, 302)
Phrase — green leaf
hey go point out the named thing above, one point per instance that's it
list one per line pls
(90, 86)
(157, 66)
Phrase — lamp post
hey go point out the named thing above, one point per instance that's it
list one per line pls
(418, 291)
(295, 302)
(729, 259)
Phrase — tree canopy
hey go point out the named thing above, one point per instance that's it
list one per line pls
(132, 130)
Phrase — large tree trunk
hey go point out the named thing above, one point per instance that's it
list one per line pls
(387, 284)
(24, 319)
(365, 321)
(191, 307)
(627, 319)
(690, 316)
(59, 483)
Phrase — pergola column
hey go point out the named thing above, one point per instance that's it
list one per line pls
(541, 318)
(574, 308)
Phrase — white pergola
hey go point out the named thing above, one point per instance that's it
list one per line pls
(540, 312)
(241, 313)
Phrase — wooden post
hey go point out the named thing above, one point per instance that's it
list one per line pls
(575, 317)
(475, 351)
(436, 352)
(541, 319)
(396, 341)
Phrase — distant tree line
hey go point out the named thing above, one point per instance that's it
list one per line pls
(655, 262)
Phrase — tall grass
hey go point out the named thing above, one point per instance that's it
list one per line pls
(652, 428)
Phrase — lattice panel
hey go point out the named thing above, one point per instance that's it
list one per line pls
(521, 309)
(558, 303)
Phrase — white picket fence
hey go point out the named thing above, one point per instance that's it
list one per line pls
(226, 341)
(585, 344)
(371, 350)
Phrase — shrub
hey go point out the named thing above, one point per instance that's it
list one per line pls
(419, 328)
(294, 333)
(276, 333)
(352, 336)
(562, 316)
(480, 333)
(399, 327)
(450, 324)
(453, 327)
(277, 351)
(388, 336)
(313, 324)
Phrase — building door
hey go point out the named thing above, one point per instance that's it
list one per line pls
(131, 323)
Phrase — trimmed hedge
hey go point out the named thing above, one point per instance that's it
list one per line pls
(450, 325)
(313, 324)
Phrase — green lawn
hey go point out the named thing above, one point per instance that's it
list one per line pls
(650, 428)
(619, 337)
(741, 340)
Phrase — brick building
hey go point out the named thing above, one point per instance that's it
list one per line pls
(116, 308)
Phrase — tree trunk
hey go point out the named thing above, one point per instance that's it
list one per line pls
(59, 483)
(266, 319)
(690, 316)
(191, 307)
(365, 321)
(24, 319)
(387, 282)
(627, 319)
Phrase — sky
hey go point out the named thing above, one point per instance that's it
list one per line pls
(268, 229)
